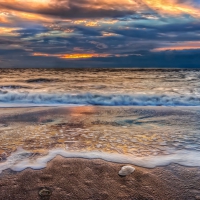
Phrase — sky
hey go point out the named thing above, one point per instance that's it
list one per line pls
(99, 33)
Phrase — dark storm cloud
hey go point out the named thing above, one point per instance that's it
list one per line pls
(12, 52)
(87, 31)
(169, 59)
(170, 32)
(174, 27)
(8, 41)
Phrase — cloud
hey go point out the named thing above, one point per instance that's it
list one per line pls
(72, 9)
(71, 56)
(105, 33)
(179, 46)
(180, 59)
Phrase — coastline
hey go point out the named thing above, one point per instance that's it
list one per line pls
(88, 179)
(77, 178)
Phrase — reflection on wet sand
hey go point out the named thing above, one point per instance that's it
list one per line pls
(123, 130)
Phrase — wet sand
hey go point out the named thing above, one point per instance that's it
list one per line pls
(74, 178)
(99, 180)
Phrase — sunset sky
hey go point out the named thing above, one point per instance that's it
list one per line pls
(99, 33)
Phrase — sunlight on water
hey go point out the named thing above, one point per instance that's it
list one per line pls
(124, 124)
(100, 87)
(138, 132)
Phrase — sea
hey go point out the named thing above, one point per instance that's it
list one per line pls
(146, 117)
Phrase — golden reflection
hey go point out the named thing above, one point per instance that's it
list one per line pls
(82, 110)
(86, 128)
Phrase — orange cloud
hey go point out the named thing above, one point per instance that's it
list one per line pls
(4, 17)
(81, 55)
(71, 56)
(78, 56)
(6, 31)
(9, 17)
(86, 22)
(100, 8)
(107, 34)
(33, 17)
(171, 7)
(179, 46)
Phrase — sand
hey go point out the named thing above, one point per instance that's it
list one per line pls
(99, 180)
(72, 178)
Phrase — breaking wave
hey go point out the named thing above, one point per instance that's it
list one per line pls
(16, 97)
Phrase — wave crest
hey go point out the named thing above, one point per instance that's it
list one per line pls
(99, 99)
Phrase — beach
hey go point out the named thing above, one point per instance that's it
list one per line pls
(66, 134)
(99, 100)
(98, 180)
(81, 178)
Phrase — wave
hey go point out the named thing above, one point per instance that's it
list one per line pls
(16, 97)
(21, 159)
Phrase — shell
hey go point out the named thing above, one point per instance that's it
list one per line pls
(126, 170)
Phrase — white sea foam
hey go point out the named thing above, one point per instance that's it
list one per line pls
(21, 159)
(44, 99)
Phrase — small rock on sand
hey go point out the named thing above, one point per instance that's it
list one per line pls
(3, 156)
(126, 170)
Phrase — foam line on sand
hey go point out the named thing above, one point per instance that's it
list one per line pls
(21, 159)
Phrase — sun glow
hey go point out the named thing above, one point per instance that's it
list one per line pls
(77, 56)
(71, 56)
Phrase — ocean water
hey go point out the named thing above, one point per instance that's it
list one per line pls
(116, 87)
(147, 117)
